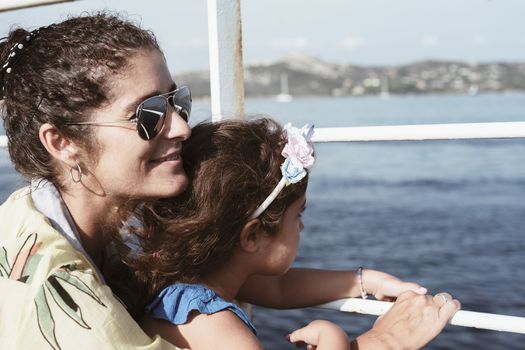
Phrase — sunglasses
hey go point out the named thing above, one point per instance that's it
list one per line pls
(151, 113)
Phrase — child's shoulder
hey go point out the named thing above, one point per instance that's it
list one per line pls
(188, 291)
(178, 301)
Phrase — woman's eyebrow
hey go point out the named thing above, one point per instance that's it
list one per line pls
(133, 105)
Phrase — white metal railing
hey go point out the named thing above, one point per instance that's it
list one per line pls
(463, 318)
(6, 5)
(411, 132)
(422, 132)
(226, 70)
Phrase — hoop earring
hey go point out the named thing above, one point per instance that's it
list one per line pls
(79, 171)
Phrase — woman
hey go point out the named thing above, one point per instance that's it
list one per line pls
(95, 122)
(58, 84)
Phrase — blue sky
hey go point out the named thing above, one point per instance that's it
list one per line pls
(365, 32)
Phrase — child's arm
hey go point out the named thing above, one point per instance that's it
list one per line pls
(321, 335)
(221, 330)
(307, 287)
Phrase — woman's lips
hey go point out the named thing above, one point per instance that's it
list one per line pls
(170, 157)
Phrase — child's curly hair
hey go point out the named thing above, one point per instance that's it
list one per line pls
(232, 166)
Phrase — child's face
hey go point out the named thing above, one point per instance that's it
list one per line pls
(282, 247)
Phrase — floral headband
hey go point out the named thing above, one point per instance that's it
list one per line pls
(298, 152)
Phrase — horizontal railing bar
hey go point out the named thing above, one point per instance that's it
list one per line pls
(418, 132)
(462, 318)
(8, 5)
(421, 132)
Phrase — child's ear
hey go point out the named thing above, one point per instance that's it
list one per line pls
(249, 238)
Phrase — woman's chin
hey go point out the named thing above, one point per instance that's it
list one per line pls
(170, 188)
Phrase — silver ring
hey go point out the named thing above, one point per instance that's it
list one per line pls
(444, 296)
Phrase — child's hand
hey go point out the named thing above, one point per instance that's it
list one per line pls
(320, 334)
(384, 286)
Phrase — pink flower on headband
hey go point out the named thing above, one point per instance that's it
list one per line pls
(298, 152)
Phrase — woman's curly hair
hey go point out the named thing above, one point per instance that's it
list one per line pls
(61, 74)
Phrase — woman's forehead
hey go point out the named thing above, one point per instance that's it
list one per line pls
(146, 75)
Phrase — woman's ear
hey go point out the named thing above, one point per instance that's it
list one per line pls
(60, 147)
(250, 236)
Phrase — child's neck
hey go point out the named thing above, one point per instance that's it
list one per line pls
(227, 280)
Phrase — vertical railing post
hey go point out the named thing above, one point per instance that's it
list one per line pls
(226, 69)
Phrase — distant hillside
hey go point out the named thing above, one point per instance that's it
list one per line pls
(308, 75)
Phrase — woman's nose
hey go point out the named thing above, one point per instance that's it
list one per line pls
(176, 127)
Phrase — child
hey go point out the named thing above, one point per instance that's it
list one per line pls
(241, 217)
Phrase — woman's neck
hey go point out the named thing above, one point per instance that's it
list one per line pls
(93, 217)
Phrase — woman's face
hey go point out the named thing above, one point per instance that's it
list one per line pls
(127, 166)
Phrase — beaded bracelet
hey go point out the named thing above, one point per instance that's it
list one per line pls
(360, 282)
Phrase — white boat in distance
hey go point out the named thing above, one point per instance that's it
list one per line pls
(284, 96)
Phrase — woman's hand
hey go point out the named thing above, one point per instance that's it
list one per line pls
(412, 322)
(320, 334)
(384, 286)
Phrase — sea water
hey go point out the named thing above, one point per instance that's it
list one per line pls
(447, 214)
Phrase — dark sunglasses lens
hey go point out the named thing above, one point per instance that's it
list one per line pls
(150, 117)
(181, 101)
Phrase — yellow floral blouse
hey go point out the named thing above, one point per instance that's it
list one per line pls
(51, 295)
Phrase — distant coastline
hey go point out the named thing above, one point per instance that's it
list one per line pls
(310, 76)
